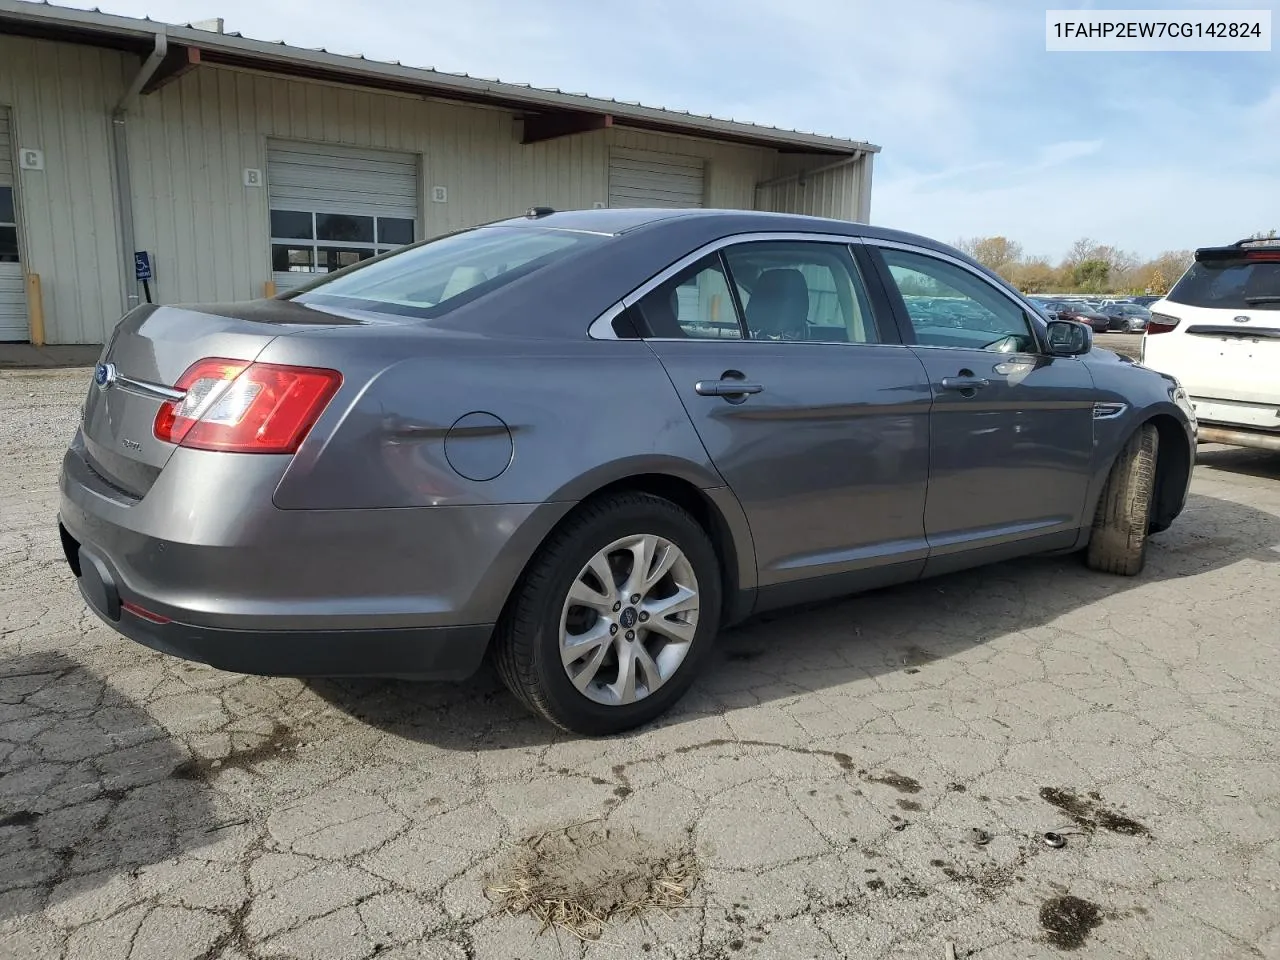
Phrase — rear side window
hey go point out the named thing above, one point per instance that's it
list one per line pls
(430, 279)
(694, 304)
(1230, 283)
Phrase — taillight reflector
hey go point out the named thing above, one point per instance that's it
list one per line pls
(240, 407)
(1161, 323)
(143, 613)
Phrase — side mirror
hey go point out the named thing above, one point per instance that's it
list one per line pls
(1068, 338)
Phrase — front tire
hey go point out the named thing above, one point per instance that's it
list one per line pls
(609, 622)
(1118, 543)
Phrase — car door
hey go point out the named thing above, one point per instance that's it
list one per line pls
(1011, 428)
(816, 419)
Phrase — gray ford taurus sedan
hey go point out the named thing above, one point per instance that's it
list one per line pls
(582, 442)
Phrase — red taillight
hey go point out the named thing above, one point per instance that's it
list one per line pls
(1161, 323)
(241, 407)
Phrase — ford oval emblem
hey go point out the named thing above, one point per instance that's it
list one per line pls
(1240, 319)
(104, 375)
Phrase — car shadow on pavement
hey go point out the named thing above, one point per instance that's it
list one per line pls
(87, 787)
(789, 652)
(1241, 460)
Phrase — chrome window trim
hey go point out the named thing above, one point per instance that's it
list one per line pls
(1026, 308)
(602, 327)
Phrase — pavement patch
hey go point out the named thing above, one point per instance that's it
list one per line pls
(578, 878)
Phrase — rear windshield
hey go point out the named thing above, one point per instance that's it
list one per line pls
(1231, 283)
(430, 279)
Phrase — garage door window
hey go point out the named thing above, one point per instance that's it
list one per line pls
(8, 227)
(308, 241)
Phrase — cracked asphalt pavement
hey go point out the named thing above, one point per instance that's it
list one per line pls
(828, 771)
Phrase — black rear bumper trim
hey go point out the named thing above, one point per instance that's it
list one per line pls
(420, 653)
(417, 653)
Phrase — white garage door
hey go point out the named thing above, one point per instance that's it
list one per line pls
(640, 178)
(13, 297)
(335, 206)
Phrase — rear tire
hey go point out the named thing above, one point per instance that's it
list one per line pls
(1118, 543)
(541, 622)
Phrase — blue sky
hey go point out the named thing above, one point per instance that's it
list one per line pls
(983, 131)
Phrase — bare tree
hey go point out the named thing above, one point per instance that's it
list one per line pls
(996, 253)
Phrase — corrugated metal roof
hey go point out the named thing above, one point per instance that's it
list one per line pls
(235, 49)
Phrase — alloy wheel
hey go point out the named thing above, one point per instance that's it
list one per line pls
(629, 619)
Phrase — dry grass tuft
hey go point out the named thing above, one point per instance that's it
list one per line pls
(580, 877)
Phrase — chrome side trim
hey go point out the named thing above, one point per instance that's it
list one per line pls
(1108, 411)
(141, 388)
(606, 318)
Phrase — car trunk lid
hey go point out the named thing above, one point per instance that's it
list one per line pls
(148, 352)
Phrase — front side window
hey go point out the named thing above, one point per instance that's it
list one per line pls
(309, 241)
(432, 278)
(952, 307)
(797, 290)
(694, 304)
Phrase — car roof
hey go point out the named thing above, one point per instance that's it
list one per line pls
(618, 221)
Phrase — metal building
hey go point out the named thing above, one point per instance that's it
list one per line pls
(243, 167)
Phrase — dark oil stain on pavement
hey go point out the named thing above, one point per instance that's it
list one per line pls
(899, 782)
(843, 759)
(22, 818)
(917, 657)
(279, 741)
(1090, 814)
(1068, 921)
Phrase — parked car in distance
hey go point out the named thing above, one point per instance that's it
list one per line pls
(580, 443)
(1218, 331)
(1048, 308)
(1124, 316)
(1074, 310)
(1145, 300)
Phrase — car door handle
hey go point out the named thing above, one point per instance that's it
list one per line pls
(964, 383)
(726, 388)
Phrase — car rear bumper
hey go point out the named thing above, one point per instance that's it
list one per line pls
(1238, 414)
(436, 653)
(224, 577)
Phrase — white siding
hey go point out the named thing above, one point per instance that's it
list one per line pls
(60, 98)
(829, 193)
(208, 233)
(190, 142)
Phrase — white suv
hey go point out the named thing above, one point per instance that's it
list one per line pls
(1218, 332)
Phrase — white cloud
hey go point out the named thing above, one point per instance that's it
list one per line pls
(1064, 152)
